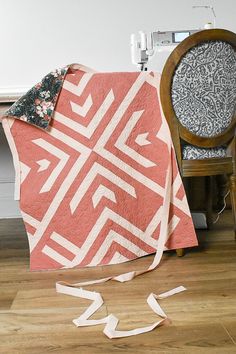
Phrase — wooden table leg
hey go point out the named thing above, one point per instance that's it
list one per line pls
(180, 252)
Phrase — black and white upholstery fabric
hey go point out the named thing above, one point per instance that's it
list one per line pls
(190, 152)
(204, 92)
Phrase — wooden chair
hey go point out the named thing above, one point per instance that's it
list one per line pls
(198, 96)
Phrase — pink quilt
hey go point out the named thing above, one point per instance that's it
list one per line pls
(101, 184)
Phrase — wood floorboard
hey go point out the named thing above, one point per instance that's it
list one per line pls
(34, 319)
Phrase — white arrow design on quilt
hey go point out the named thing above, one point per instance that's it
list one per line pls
(24, 171)
(62, 241)
(142, 139)
(101, 192)
(87, 131)
(100, 147)
(127, 150)
(163, 132)
(107, 214)
(82, 110)
(43, 164)
(96, 170)
(61, 155)
(129, 245)
(121, 240)
(118, 258)
(78, 89)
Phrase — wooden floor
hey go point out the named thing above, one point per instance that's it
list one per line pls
(34, 319)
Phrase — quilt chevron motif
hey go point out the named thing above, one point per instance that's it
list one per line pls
(92, 186)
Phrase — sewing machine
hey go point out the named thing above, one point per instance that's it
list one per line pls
(150, 51)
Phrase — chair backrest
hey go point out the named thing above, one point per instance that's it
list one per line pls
(198, 88)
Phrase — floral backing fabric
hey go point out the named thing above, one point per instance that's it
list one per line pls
(37, 105)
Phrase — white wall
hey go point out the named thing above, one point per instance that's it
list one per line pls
(39, 35)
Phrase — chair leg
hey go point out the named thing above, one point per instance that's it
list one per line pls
(180, 252)
(232, 182)
(209, 201)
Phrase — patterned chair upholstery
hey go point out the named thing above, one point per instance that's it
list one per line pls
(203, 94)
(198, 96)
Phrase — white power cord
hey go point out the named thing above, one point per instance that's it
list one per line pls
(221, 211)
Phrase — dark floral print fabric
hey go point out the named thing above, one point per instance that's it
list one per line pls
(37, 105)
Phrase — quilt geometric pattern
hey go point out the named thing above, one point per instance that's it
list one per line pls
(92, 187)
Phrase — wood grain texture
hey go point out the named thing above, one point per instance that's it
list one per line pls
(34, 319)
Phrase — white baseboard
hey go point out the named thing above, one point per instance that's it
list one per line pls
(9, 209)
